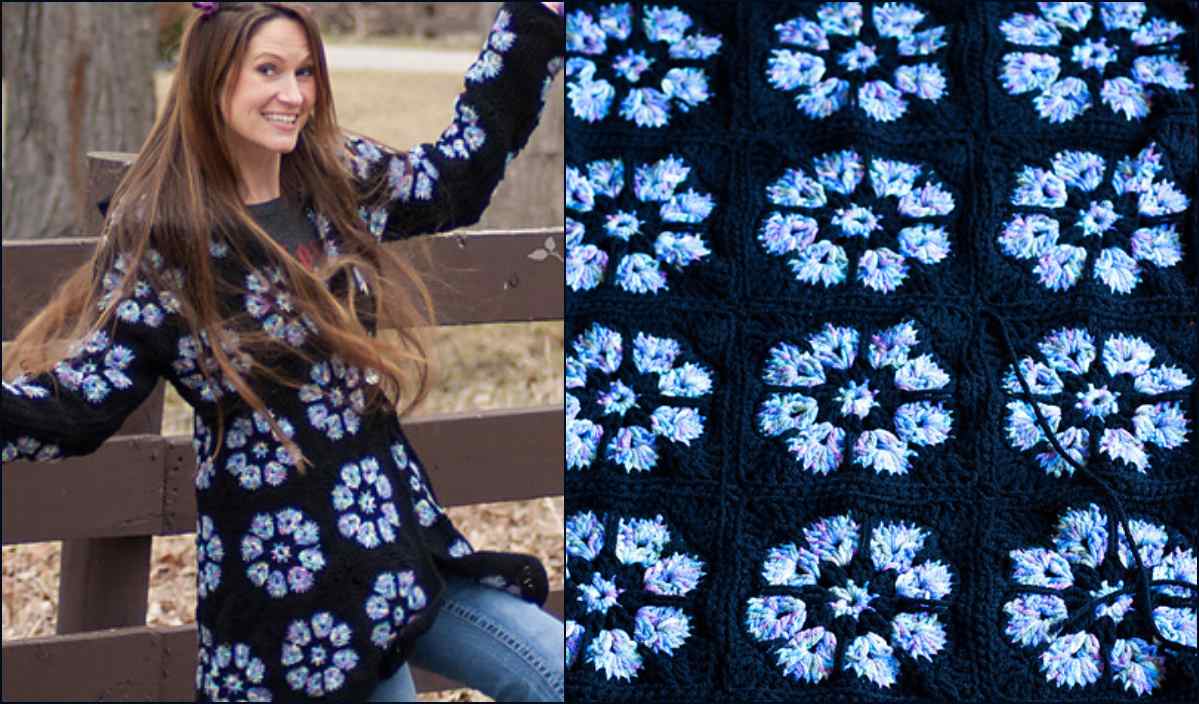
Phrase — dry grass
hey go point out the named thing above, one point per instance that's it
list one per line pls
(479, 367)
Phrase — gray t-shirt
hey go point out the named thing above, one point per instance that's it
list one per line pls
(285, 222)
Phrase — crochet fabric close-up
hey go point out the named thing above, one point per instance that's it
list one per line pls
(882, 327)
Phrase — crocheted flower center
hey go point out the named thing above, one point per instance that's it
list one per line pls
(622, 225)
(1097, 402)
(857, 221)
(281, 553)
(857, 399)
(852, 600)
(1094, 54)
(233, 683)
(861, 57)
(617, 400)
(1098, 218)
(1113, 609)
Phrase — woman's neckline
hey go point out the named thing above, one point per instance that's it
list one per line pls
(265, 205)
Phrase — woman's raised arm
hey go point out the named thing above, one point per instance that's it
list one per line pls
(448, 184)
(83, 400)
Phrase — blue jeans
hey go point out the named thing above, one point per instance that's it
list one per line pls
(488, 640)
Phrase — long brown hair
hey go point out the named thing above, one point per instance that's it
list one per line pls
(181, 192)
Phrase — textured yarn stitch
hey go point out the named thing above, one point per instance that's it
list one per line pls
(931, 267)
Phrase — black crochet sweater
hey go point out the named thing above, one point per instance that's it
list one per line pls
(311, 587)
(882, 351)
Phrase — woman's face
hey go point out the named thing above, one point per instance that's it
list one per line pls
(273, 93)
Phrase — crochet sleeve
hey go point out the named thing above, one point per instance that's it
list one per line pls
(448, 184)
(84, 399)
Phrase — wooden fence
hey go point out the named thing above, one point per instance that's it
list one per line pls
(106, 507)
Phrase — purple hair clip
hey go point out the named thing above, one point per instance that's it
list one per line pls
(208, 8)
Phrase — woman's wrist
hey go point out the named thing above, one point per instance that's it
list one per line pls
(556, 7)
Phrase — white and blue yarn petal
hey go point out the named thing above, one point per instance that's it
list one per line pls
(891, 222)
(645, 81)
(791, 619)
(1074, 394)
(835, 366)
(1080, 554)
(1066, 70)
(833, 67)
(641, 561)
(655, 227)
(1087, 214)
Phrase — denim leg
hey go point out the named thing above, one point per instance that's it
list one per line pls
(494, 642)
(398, 688)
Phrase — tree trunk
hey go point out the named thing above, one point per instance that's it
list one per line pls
(80, 77)
(532, 193)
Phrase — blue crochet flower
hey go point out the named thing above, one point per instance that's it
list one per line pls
(893, 210)
(844, 397)
(1071, 216)
(362, 499)
(655, 209)
(1082, 580)
(499, 41)
(229, 673)
(269, 301)
(336, 397)
(464, 136)
(282, 552)
(96, 367)
(260, 456)
(1125, 57)
(424, 504)
(30, 448)
(887, 600)
(664, 72)
(318, 654)
(658, 381)
(196, 368)
(1079, 399)
(209, 555)
(660, 627)
(836, 61)
(393, 592)
(146, 306)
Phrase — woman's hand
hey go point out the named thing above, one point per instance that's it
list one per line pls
(555, 6)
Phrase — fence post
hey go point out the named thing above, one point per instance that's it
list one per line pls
(104, 583)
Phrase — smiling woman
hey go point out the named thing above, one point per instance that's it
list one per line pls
(268, 104)
(240, 259)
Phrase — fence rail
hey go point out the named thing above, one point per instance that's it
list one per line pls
(108, 506)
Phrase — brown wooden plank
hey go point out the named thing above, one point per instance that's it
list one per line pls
(491, 277)
(474, 278)
(114, 492)
(32, 271)
(118, 665)
(104, 172)
(143, 663)
(143, 485)
(147, 419)
(103, 583)
(180, 646)
(522, 449)
(505, 455)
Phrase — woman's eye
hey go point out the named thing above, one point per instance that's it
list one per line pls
(306, 71)
(266, 69)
